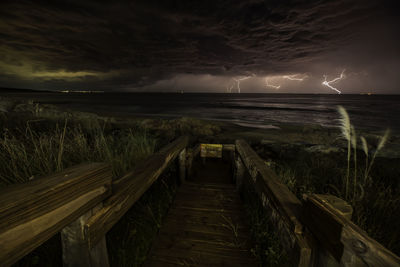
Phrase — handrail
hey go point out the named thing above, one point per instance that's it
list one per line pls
(82, 202)
(345, 241)
(129, 189)
(33, 212)
(321, 233)
(279, 201)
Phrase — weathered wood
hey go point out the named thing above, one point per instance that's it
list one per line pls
(182, 166)
(341, 206)
(196, 151)
(282, 205)
(239, 173)
(31, 213)
(189, 162)
(349, 244)
(228, 147)
(129, 189)
(207, 230)
(75, 249)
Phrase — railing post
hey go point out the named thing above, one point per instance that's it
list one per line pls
(189, 162)
(182, 165)
(75, 248)
(239, 172)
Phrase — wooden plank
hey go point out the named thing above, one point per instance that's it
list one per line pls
(21, 203)
(195, 258)
(22, 239)
(349, 244)
(215, 237)
(281, 204)
(217, 200)
(129, 189)
(221, 248)
(37, 210)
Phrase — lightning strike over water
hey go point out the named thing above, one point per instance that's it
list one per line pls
(271, 85)
(294, 77)
(229, 88)
(328, 83)
(238, 82)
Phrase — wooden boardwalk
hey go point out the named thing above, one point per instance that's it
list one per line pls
(206, 225)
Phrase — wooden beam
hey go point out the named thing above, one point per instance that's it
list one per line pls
(281, 204)
(348, 244)
(19, 203)
(31, 213)
(76, 252)
(129, 189)
(182, 166)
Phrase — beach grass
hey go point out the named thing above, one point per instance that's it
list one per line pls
(369, 183)
(26, 154)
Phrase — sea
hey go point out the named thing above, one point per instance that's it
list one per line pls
(371, 112)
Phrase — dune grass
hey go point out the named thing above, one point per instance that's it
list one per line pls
(369, 183)
(26, 154)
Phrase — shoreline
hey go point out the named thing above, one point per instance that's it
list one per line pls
(306, 135)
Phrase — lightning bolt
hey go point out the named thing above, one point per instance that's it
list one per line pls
(328, 83)
(271, 85)
(294, 77)
(239, 80)
(229, 88)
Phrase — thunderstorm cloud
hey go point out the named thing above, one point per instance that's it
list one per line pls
(199, 45)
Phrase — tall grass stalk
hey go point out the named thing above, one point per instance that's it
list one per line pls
(382, 141)
(354, 145)
(345, 127)
(366, 153)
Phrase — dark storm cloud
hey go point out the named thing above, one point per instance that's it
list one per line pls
(122, 44)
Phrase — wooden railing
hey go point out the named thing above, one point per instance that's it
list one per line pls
(316, 231)
(82, 203)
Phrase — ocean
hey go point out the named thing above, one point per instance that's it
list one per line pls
(372, 112)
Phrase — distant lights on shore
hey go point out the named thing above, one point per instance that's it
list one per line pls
(80, 91)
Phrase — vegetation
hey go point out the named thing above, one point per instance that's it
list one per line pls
(130, 240)
(266, 243)
(28, 153)
(35, 145)
(374, 193)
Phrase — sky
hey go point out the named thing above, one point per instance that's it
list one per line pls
(275, 46)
